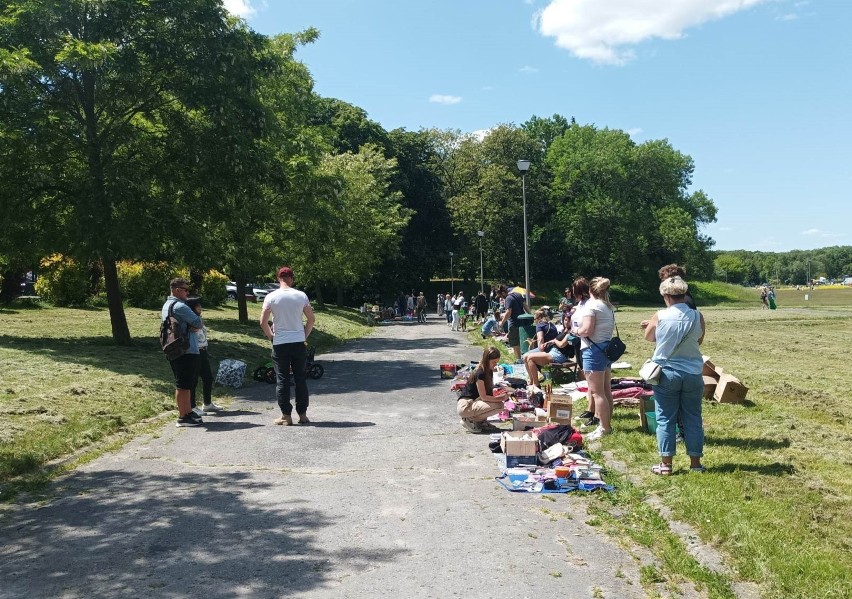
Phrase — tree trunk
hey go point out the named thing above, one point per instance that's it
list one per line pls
(117, 318)
(339, 296)
(320, 300)
(10, 288)
(242, 307)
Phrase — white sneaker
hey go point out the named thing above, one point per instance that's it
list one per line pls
(596, 434)
(211, 408)
(198, 411)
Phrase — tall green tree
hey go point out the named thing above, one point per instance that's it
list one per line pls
(93, 85)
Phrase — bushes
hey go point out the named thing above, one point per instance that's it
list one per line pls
(212, 289)
(63, 281)
(146, 284)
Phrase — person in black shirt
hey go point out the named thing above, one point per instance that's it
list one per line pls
(478, 401)
(514, 308)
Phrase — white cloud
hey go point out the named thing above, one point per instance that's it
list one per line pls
(788, 17)
(811, 232)
(480, 134)
(528, 69)
(605, 32)
(240, 8)
(634, 131)
(444, 99)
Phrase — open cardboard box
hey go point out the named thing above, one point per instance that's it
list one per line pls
(730, 390)
(519, 443)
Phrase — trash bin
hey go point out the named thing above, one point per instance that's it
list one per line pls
(526, 322)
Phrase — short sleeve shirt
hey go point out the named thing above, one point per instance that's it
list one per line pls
(471, 390)
(515, 303)
(287, 307)
(548, 330)
(604, 322)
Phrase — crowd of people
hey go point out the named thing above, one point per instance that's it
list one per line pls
(583, 333)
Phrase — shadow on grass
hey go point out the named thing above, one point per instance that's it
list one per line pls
(152, 520)
(774, 469)
(748, 443)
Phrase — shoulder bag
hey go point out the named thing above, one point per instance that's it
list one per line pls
(616, 347)
(650, 372)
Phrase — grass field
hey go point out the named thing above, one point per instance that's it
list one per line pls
(64, 386)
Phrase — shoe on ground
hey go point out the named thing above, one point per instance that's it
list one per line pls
(471, 426)
(593, 421)
(596, 434)
(303, 419)
(211, 408)
(198, 411)
(284, 420)
(585, 416)
(661, 469)
(699, 469)
(188, 420)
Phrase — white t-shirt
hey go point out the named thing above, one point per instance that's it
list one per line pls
(604, 322)
(287, 306)
(577, 314)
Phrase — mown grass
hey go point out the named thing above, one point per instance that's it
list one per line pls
(64, 386)
(778, 490)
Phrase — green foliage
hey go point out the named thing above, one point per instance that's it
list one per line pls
(791, 268)
(213, 288)
(63, 281)
(146, 284)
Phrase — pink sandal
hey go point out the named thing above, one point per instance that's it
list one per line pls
(662, 469)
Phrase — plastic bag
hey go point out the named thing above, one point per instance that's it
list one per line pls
(231, 373)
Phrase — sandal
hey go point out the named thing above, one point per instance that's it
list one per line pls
(662, 469)
(699, 469)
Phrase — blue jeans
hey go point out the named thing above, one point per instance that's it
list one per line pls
(295, 356)
(679, 394)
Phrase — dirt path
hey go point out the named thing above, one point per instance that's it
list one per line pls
(384, 495)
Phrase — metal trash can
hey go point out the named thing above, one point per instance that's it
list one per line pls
(526, 323)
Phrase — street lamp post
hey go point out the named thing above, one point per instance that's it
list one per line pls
(481, 267)
(452, 281)
(524, 167)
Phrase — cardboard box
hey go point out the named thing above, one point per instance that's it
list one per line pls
(730, 390)
(519, 443)
(522, 424)
(557, 420)
(709, 368)
(560, 407)
(709, 386)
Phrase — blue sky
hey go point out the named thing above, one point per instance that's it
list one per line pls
(758, 92)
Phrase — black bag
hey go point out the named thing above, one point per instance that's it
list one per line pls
(616, 347)
(172, 338)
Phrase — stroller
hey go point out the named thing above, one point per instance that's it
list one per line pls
(266, 373)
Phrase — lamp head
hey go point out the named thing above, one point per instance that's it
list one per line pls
(523, 166)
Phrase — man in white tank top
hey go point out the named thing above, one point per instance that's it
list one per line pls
(287, 305)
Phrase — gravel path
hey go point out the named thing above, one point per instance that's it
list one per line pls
(383, 495)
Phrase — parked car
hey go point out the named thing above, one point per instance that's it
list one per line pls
(256, 292)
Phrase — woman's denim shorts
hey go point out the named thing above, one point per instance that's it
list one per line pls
(594, 359)
(557, 357)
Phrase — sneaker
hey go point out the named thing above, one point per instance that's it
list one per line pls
(596, 434)
(585, 416)
(471, 426)
(211, 408)
(284, 420)
(303, 419)
(188, 420)
(198, 411)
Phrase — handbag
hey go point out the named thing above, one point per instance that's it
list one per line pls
(616, 347)
(650, 372)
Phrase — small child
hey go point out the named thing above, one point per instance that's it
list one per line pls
(205, 374)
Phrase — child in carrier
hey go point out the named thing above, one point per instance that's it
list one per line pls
(205, 374)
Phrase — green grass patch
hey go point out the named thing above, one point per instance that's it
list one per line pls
(778, 490)
(66, 387)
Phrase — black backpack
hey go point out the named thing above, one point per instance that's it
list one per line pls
(174, 341)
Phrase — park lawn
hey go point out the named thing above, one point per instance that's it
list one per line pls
(778, 492)
(64, 386)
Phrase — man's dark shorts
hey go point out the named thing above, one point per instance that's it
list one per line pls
(186, 369)
(514, 336)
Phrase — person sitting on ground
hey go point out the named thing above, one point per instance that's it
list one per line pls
(489, 327)
(478, 399)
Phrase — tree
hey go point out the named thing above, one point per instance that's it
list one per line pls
(94, 87)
